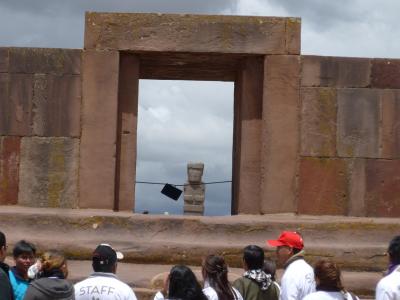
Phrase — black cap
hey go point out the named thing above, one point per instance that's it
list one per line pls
(104, 254)
(171, 191)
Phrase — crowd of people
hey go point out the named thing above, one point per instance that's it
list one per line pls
(46, 278)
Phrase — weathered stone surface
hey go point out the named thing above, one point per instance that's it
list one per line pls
(45, 60)
(335, 71)
(358, 123)
(390, 132)
(188, 33)
(56, 105)
(356, 171)
(323, 187)
(293, 35)
(386, 73)
(16, 110)
(127, 123)
(318, 122)
(382, 188)
(99, 129)
(3, 60)
(280, 133)
(194, 190)
(189, 66)
(247, 138)
(9, 167)
(49, 172)
(4, 103)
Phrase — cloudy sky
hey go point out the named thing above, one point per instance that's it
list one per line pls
(192, 121)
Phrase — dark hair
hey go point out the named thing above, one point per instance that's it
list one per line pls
(23, 247)
(328, 274)
(215, 270)
(184, 285)
(101, 267)
(269, 267)
(2, 240)
(254, 257)
(394, 250)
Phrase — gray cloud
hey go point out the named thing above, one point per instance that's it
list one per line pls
(181, 122)
(61, 7)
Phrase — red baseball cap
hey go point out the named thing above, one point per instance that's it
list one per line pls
(288, 238)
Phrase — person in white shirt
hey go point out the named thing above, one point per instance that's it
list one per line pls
(103, 284)
(388, 287)
(216, 284)
(298, 278)
(329, 283)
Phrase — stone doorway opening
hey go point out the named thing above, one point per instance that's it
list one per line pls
(181, 121)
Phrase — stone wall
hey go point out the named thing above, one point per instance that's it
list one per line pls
(348, 161)
(350, 137)
(40, 103)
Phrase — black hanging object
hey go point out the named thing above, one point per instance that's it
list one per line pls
(171, 191)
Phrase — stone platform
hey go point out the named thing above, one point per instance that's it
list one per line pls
(155, 242)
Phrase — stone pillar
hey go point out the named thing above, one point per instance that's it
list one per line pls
(280, 133)
(246, 187)
(194, 190)
(99, 129)
(127, 132)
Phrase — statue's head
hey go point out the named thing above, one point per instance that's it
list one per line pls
(195, 172)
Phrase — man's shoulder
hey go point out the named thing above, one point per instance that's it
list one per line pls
(314, 296)
(388, 281)
(299, 266)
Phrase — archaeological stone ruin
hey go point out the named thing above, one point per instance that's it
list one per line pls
(312, 134)
(194, 190)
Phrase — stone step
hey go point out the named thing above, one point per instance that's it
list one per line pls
(357, 244)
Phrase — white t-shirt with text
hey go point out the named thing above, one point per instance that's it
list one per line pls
(297, 281)
(103, 286)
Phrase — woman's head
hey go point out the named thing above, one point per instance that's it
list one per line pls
(183, 284)
(215, 272)
(53, 263)
(327, 276)
(269, 267)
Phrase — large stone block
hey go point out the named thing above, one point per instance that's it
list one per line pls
(3, 60)
(293, 35)
(386, 73)
(16, 106)
(9, 167)
(335, 71)
(323, 187)
(4, 103)
(56, 105)
(318, 122)
(189, 33)
(382, 188)
(247, 137)
(127, 131)
(45, 60)
(356, 171)
(280, 133)
(358, 123)
(390, 131)
(99, 129)
(49, 172)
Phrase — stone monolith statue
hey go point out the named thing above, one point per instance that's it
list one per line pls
(194, 190)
